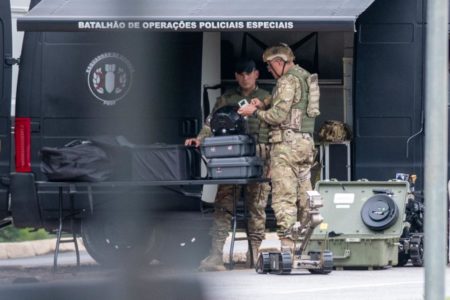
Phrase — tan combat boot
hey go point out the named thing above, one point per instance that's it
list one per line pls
(255, 251)
(214, 262)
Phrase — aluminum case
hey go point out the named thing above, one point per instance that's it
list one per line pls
(235, 167)
(228, 146)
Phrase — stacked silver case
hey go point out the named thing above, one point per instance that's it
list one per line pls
(231, 156)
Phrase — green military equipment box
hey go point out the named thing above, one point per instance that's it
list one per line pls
(363, 222)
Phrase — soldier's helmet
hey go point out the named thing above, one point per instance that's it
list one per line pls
(282, 51)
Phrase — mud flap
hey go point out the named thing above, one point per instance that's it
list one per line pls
(24, 201)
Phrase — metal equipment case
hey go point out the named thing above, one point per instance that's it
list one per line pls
(235, 167)
(228, 146)
(350, 208)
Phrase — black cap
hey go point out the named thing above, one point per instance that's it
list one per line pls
(245, 65)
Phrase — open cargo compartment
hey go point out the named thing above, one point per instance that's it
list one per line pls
(361, 227)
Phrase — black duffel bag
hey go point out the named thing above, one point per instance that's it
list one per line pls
(79, 160)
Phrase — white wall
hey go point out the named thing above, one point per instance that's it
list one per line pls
(18, 8)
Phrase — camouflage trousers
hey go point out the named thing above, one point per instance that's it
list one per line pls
(290, 169)
(255, 197)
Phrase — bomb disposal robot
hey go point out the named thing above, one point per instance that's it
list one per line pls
(318, 261)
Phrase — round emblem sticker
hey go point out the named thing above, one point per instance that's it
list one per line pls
(109, 77)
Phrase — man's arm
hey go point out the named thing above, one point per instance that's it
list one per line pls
(267, 101)
(281, 103)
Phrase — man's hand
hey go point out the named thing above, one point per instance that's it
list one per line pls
(247, 110)
(192, 142)
(258, 103)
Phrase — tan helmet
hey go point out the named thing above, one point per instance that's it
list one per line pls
(282, 51)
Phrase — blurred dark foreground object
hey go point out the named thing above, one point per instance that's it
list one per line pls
(122, 287)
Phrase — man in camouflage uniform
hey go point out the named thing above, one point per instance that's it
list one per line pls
(255, 194)
(291, 123)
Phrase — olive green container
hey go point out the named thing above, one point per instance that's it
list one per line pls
(363, 222)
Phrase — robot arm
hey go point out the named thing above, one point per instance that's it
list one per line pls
(304, 231)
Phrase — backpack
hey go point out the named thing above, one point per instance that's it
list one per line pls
(334, 131)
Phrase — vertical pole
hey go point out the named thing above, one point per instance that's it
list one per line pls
(210, 77)
(436, 130)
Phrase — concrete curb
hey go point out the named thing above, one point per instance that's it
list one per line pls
(43, 247)
(34, 248)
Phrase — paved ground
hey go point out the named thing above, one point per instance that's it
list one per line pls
(35, 280)
(405, 283)
(32, 278)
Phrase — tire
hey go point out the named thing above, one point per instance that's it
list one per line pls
(285, 263)
(180, 238)
(183, 243)
(402, 259)
(117, 240)
(320, 271)
(402, 256)
(416, 254)
(263, 263)
(327, 261)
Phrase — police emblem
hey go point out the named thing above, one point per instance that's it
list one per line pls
(109, 77)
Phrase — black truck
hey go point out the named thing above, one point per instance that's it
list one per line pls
(143, 70)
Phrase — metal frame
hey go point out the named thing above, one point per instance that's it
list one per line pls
(324, 156)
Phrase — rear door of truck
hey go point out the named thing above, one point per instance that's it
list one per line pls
(5, 100)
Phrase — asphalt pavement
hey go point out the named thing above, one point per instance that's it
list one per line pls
(405, 283)
(391, 283)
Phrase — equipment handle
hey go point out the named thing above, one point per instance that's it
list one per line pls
(346, 255)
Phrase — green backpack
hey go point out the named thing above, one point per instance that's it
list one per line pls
(334, 131)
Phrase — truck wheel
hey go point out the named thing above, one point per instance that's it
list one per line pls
(183, 238)
(119, 240)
